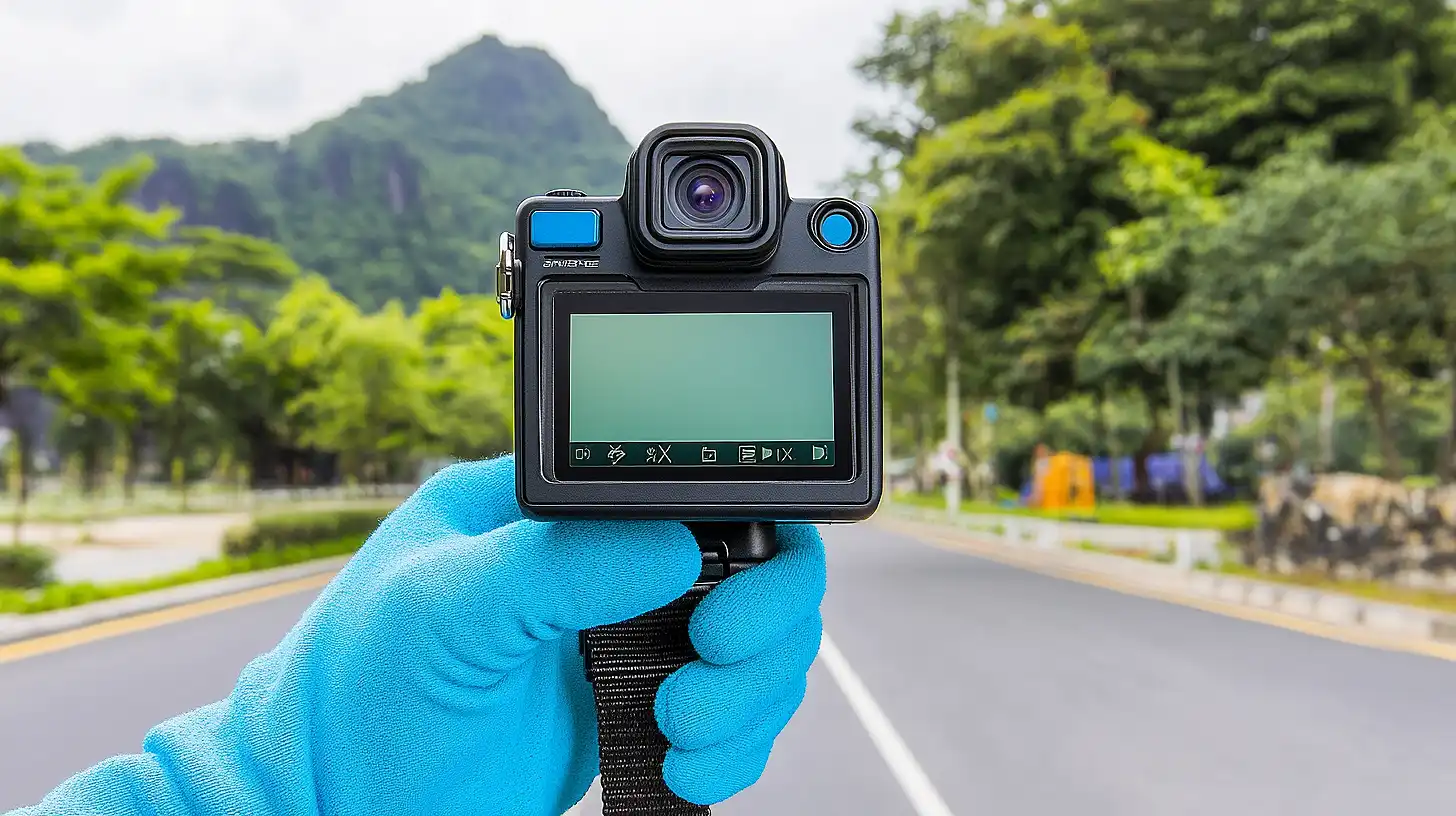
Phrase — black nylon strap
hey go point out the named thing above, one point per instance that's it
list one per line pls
(626, 662)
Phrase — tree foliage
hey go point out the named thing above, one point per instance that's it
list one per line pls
(1239, 81)
(78, 276)
(197, 350)
(1093, 201)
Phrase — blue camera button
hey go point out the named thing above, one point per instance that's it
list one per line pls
(566, 229)
(837, 230)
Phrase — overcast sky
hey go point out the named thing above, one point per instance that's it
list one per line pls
(72, 71)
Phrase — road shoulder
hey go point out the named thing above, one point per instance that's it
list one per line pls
(1314, 612)
(16, 628)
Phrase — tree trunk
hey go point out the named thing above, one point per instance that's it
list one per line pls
(1375, 395)
(1187, 453)
(923, 442)
(988, 458)
(952, 405)
(1327, 422)
(1446, 467)
(1152, 443)
(133, 434)
(24, 451)
(5, 465)
(1104, 427)
(90, 469)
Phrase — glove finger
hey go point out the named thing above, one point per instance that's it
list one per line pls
(702, 704)
(751, 611)
(707, 776)
(466, 498)
(497, 596)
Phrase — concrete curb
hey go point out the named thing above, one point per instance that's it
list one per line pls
(24, 627)
(1347, 611)
(1203, 542)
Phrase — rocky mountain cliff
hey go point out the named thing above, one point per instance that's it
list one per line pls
(404, 193)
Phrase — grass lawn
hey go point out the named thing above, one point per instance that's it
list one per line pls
(1368, 590)
(1228, 517)
(1127, 552)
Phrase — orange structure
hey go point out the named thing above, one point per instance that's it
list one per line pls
(1061, 481)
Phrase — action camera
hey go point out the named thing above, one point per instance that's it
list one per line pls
(702, 348)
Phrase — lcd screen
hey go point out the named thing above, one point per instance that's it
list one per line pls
(740, 394)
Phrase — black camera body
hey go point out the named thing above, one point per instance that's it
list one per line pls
(702, 348)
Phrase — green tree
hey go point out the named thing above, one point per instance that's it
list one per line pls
(469, 362)
(1009, 209)
(369, 401)
(88, 441)
(192, 392)
(297, 350)
(79, 269)
(1004, 191)
(1239, 80)
(1146, 330)
(1425, 165)
(1318, 249)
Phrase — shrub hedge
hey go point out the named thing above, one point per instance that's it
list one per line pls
(277, 532)
(268, 542)
(64, 596)
(24, 567)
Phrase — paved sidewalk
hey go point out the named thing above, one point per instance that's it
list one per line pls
(130, 548)
(136, 547)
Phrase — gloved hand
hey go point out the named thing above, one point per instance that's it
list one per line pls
(438, 673)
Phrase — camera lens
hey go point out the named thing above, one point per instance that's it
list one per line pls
(706, 193)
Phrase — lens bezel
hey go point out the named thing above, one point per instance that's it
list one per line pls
(746, 235)
(679, 219)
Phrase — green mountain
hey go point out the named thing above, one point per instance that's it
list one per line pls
(404, 193)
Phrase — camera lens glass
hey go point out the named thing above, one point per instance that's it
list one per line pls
(706, 193)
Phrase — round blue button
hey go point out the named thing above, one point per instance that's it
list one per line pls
(837, 230)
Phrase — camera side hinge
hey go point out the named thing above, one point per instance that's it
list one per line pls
(507, 272)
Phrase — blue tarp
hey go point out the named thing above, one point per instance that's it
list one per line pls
(1165, 473)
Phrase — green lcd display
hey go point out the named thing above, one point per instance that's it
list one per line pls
(724, 394)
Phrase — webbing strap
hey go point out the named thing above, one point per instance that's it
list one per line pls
(626, 662)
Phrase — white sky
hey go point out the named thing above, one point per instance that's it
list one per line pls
(72, 71)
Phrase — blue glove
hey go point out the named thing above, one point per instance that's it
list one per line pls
(438, 673)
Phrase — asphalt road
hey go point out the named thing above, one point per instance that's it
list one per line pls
(1017, 694)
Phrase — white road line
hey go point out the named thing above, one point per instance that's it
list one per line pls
(923, 796)
(593, 797)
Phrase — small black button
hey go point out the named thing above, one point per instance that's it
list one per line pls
(566, 193)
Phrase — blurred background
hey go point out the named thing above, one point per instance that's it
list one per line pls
(1169, 285)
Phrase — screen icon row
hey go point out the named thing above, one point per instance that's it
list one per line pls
(669, 454)
(778, 454)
